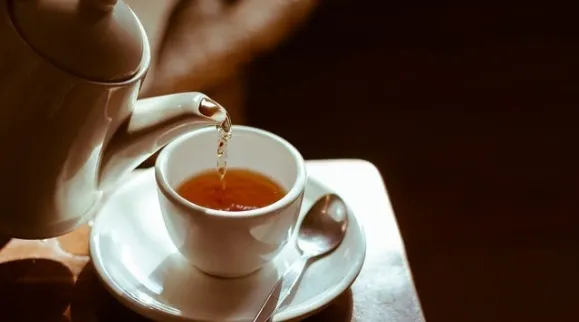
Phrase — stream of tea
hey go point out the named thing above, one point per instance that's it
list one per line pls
(227, 188)
(224, 135)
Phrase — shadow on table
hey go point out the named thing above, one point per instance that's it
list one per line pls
(340, 310)
(92, 303)
(35, 290)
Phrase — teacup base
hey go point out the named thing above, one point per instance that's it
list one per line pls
(227, 275)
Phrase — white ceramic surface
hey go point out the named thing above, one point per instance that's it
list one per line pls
(141, 267)
(222, 243)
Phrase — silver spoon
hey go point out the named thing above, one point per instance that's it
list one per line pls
(321, 231)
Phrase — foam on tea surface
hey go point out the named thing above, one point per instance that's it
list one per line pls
(244, 190)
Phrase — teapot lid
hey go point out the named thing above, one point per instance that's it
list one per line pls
(100, 40)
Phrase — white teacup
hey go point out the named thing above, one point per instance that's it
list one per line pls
(222, 243)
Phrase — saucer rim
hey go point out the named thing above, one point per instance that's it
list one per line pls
(316, 304)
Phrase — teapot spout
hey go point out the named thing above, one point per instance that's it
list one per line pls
(153, 123)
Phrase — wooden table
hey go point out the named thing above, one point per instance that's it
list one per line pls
(52, 280)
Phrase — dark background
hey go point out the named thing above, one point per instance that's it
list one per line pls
(469, 112)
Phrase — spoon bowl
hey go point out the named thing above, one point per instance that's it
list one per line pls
(323, 227)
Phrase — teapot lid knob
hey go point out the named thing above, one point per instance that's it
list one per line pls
(101, 40)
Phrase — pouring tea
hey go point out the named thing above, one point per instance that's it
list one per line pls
(70, 122)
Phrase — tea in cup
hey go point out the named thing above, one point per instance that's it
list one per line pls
(238, 190)
(230, 227)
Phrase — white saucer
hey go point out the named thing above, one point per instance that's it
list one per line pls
(139, 265)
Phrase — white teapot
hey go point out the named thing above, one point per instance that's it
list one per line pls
(70, 122)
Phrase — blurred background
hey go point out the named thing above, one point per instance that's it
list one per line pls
(469, 111)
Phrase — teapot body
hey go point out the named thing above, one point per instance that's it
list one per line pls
(53, 129)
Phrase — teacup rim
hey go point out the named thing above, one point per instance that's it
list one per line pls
(169, 192)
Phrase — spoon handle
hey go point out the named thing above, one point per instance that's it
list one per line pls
(286, 285)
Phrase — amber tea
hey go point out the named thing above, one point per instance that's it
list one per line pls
(244, 190)
(230, 189)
